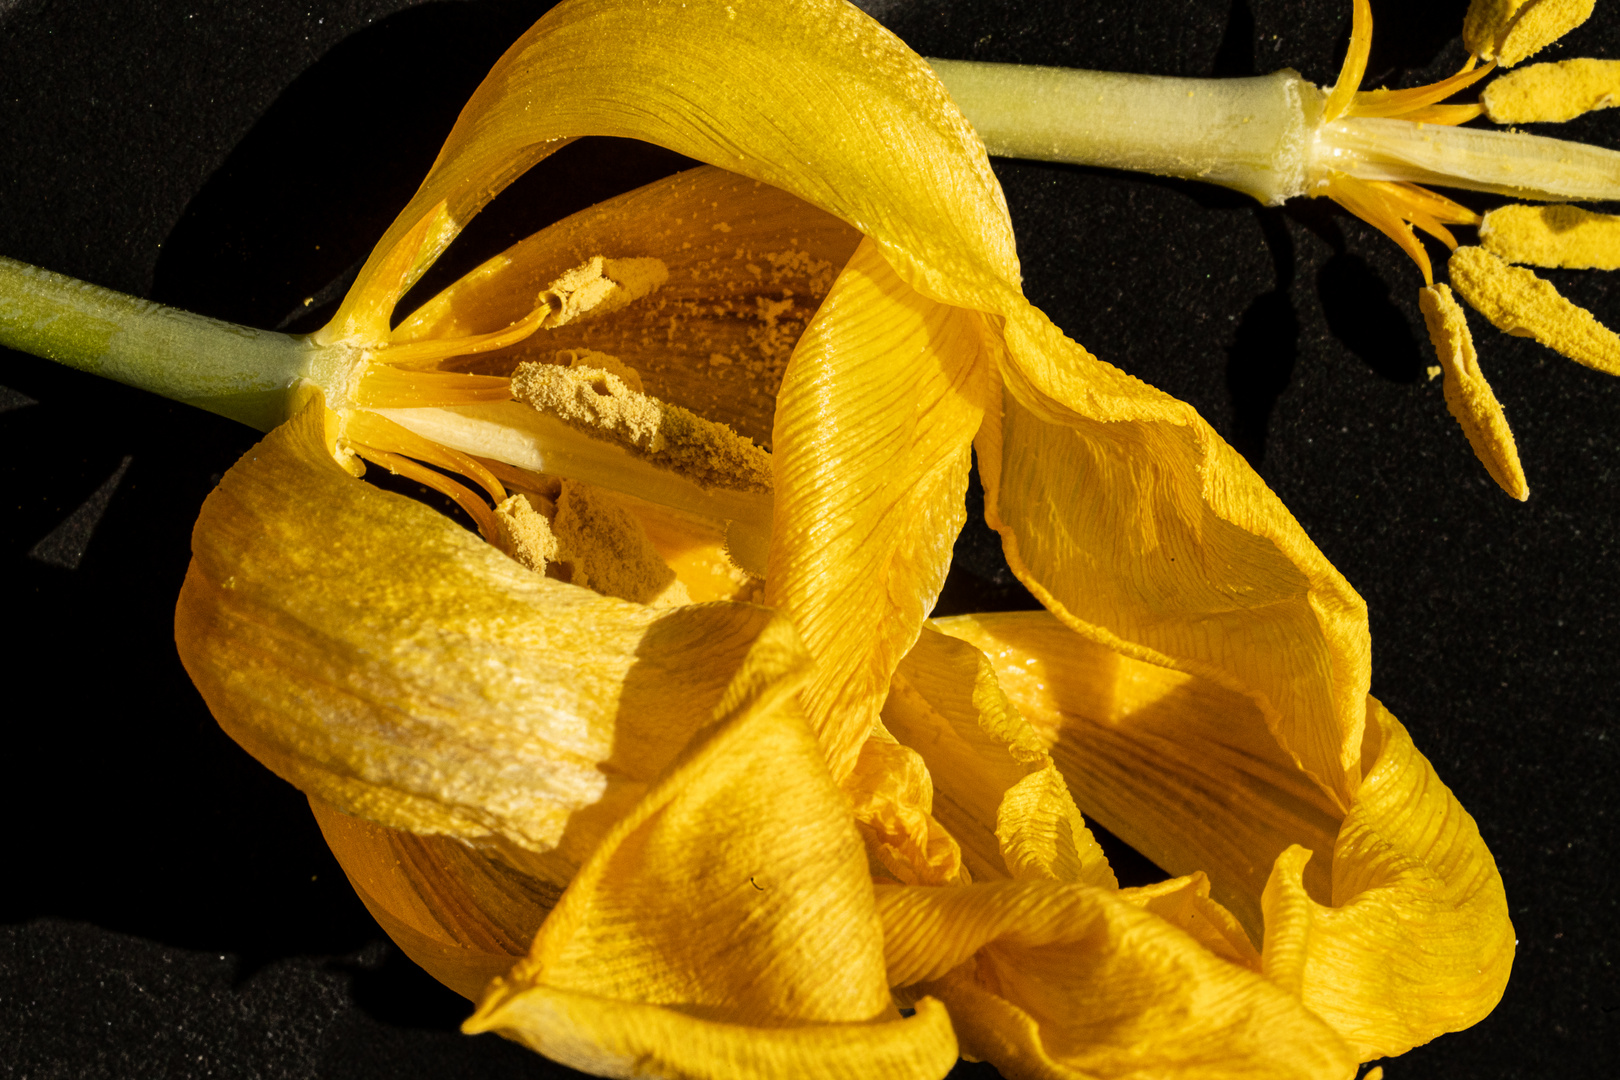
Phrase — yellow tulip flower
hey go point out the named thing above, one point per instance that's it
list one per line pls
(669, 773)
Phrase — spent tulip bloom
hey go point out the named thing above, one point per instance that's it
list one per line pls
(670, 773)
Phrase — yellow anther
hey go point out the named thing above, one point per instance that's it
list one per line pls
(525, 534)
(1511, 30)
(1553, 92)
(1559, 235)
(1518, 302)
(599, 404)
(1468, 395)
(608, 550)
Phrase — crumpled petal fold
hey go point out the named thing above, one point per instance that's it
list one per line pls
(726, 926)
(1395, 933)
(1050, 980)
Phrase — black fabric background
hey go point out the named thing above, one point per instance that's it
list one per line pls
(169, 908)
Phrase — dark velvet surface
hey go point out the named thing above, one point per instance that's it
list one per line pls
(169, 908)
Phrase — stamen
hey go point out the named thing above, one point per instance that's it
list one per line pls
(475, 507)
(1518, 302)
(1355, 63)
(383, 434)
(599, 403)
(1553, 92)
(1401, 103)
(1369, 204)
(386, 387)
(1556, 236)
(1511, 30)
(433, 351)
(1468, 396)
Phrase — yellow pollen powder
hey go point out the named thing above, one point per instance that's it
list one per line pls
(1508, 31)
(1468, 395)
(608, 550)
(525, 534)
(1559, 235)
(1518, 302)
(600, 286)
(1553, 92)
(599, 403)
(590, 358)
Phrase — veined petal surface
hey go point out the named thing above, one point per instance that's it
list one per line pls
(1416, 941)
(1054, 981)
(385, 660)
(1401, 935)
(874, 428)
(725, 928)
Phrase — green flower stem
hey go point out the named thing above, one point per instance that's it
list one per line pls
(227, 369)
(1248, 134)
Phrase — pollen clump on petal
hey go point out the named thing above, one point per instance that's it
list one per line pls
(609, 551)
(1553, 92)
(1558, 235)
(599, 403)
(1508, 31)
(1468, 395)
(525, 534)
(1518, 302)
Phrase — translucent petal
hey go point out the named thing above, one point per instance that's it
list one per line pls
(1130, 518)
(813, 98)
(995, 787)
(747, 266)
(1178, 767)
(386, 661)
(1049, 980)
(872, 449)
(1417, 940)
(725, 927)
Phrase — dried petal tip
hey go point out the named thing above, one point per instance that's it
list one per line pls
(1518, 302)
(1552, 93)
(1560, 235)
(1468, 395)
(1508, 31)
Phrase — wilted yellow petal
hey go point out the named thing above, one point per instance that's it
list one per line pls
(747, 266)
(1553, 92)
(1510, 30)
(1468, 395)
(1184, 768)
(1177, 766)
(892, 796)
(1133, 521)
(1557, 235)
(814, 98)
(995, 787)
(874, 426)
(1049, 980)
(724, 928)
(1417, 940)
(1520, 303)
(461, 915)
(1185, 902)
(385, 660)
